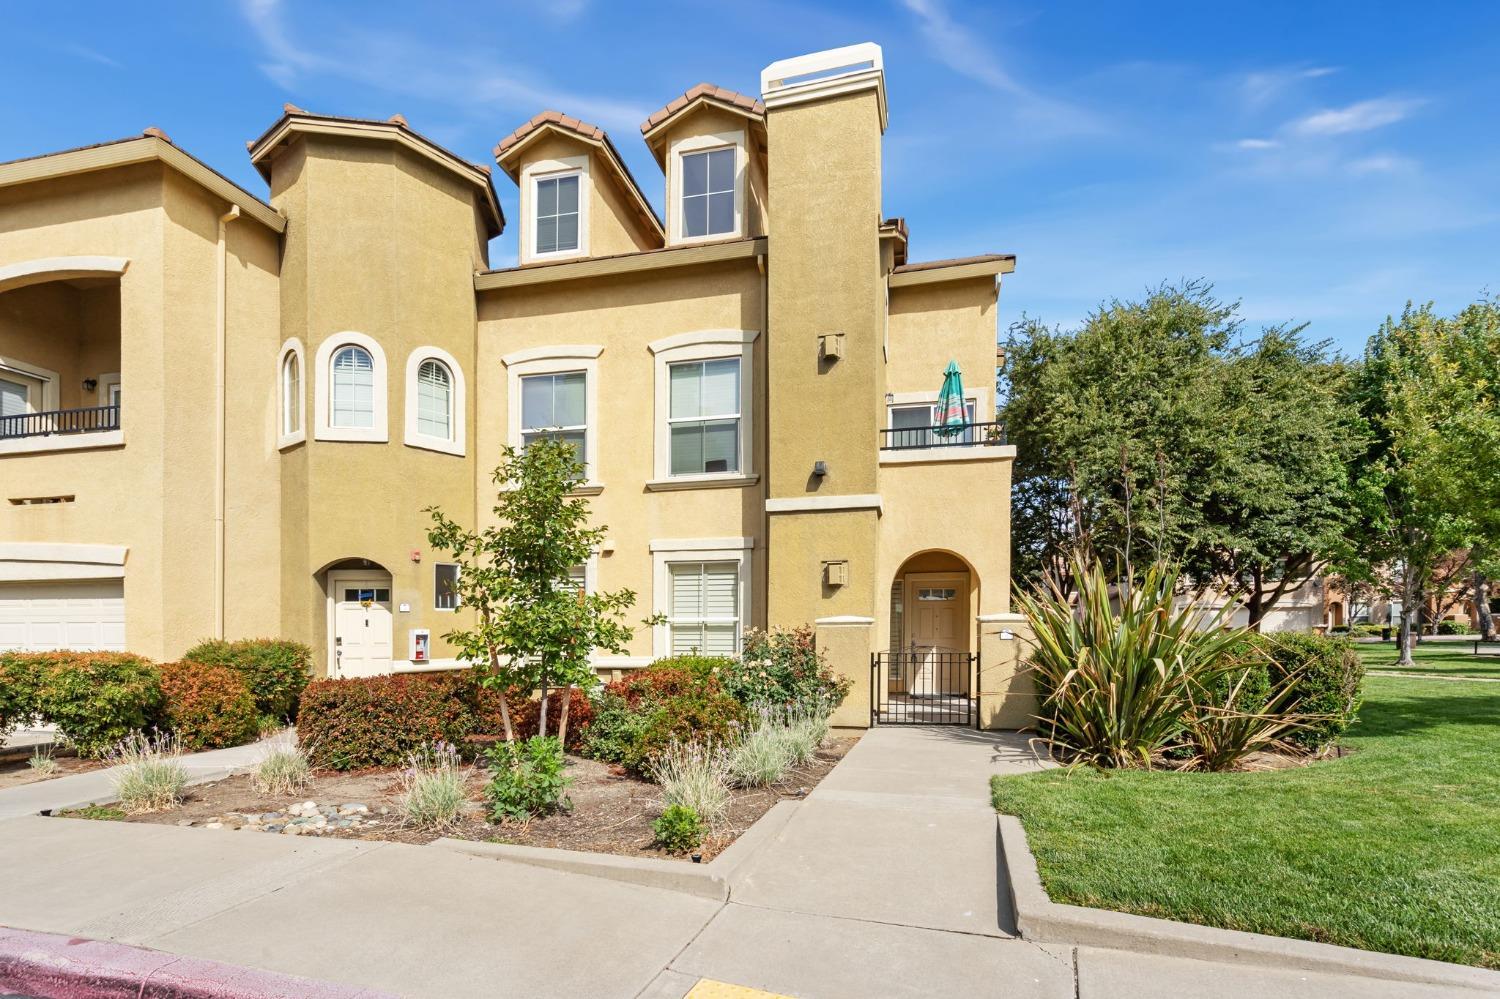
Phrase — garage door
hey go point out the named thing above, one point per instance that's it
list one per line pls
(41, 617)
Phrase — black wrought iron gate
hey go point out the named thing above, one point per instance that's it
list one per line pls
(923, 687)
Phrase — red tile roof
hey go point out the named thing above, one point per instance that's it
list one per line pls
(557, 118)
(749, 105)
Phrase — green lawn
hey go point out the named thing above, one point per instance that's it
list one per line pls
(1394, 848)
(1436, 658)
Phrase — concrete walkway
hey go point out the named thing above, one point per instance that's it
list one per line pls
(96, 786)
(883, 884)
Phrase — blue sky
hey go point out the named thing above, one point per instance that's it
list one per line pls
(1321, 162)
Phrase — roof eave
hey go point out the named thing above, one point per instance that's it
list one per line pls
(508, 162)
(655, 133)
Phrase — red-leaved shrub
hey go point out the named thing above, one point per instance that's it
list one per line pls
(376, 721)
(207, 706)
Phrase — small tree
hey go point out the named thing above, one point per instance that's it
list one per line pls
(534, 628)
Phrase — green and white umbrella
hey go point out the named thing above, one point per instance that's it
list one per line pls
(952, 414)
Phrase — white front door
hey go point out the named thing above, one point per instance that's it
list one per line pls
(361, 608)
(937, 606)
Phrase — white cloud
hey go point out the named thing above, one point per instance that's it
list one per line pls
(1381, 163)
(958, 48)
(396, 63)
(92, 55)
(1261, 88)
(1362, 116)
(1257, 144)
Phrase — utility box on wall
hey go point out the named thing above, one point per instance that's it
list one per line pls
(419, 645)
(836, 573)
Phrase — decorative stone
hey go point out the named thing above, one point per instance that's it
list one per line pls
(185, 823)
(273, 828)
(214, 825)
(293, 830)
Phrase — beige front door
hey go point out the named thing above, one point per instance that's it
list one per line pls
(361, 612)
(937, 634)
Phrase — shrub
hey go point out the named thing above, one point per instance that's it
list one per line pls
(275, 671)
(638, 718)
(1238, 717)
(150, 775)
(678, 829)
(379, 721)
(42, 761)
(1325, 674)
(695, 776)
(18, 682)
(783, 668)
(802, 732)
(526, 779)
(282, 770)
(96, 699)
(1453, 628)
(207, 706)
(434, 787)
(1115, 685)
(1368, 630)
(762, 757)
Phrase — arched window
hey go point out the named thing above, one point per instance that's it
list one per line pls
(353, 389)
(291, 420)
(291, 394)
(435, 400)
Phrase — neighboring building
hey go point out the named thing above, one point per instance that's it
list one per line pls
(1300, 608)
(225, 415)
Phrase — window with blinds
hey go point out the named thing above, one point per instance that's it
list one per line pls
(704, 418)
(554, 407)
(291, 394)
(704, 615)
(434, 400)
(557, 214)
(353, 395)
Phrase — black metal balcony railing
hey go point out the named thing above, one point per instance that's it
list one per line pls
(967, 435)
(94, 419)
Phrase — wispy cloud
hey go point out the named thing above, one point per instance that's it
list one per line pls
(961, 50)
(1381, 163)
(1362, 116)
(92, 55)
(1258, 144)
(1263, 87)
(394, 62)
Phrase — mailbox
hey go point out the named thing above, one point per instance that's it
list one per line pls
(420, 645)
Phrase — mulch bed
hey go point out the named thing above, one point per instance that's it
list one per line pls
(612, 812)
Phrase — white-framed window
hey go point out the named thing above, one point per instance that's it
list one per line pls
(703, 416)
(27, 388)
(554, 395)
(445, 586)
(702, 587)
(291, 420)
(349, 397)
(913, 425)
(704, 408)
(706, 184)
(435, 401)
(555, 206)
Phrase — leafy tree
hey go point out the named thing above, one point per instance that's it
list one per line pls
(1428, 482)
(533, 629)
(1152, 432)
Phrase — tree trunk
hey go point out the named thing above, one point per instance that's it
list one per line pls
(1254, 608)
(1483, 618)
(1409, 613)
(562, 721)
(541, 725)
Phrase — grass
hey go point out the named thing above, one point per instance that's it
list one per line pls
(1395, 848)
(103, 813)
(1435, 658)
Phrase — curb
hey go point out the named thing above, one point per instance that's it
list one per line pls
(1041, 920)
(112, 796)
(52, 966)
(710, 880)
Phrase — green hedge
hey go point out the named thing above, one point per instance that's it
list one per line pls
(209, 707)
(276, 671)
(1453, 628)
(673, 700)
(1330, 672)
(94, 698)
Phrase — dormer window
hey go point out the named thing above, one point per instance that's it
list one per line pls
(557, 214)
(708, 193)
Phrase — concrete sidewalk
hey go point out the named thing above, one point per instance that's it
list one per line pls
(98, 786)
(883, 884)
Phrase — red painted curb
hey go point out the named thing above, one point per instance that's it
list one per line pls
(52, 966)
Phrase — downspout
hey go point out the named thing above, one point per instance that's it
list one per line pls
(220, 364)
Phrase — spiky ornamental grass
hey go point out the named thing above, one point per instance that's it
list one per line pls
(434, 787)
(149, 775)
(1118, 673)
(696, 776)
(284, 769)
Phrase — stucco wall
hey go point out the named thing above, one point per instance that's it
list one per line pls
(931, 324)
(613, 225)
(622, 316)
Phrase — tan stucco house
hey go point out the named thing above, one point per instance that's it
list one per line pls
(222, 413)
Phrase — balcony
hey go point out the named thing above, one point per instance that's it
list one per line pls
(60, 422)
(990, 434)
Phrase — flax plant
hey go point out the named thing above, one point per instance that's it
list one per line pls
(1118, 673)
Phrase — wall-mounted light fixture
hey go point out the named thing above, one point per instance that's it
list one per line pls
(90, 384)
(820, 468)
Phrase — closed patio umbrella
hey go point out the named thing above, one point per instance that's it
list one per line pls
(952, 414)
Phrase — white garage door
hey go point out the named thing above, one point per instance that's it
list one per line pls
(42, 617)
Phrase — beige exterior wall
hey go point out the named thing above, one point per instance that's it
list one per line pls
(622, 316)
(165, 343)
(712, 121)
(613, 226)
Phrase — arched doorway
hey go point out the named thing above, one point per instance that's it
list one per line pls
(1336, 615)
(360, 622)
(926, 676)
